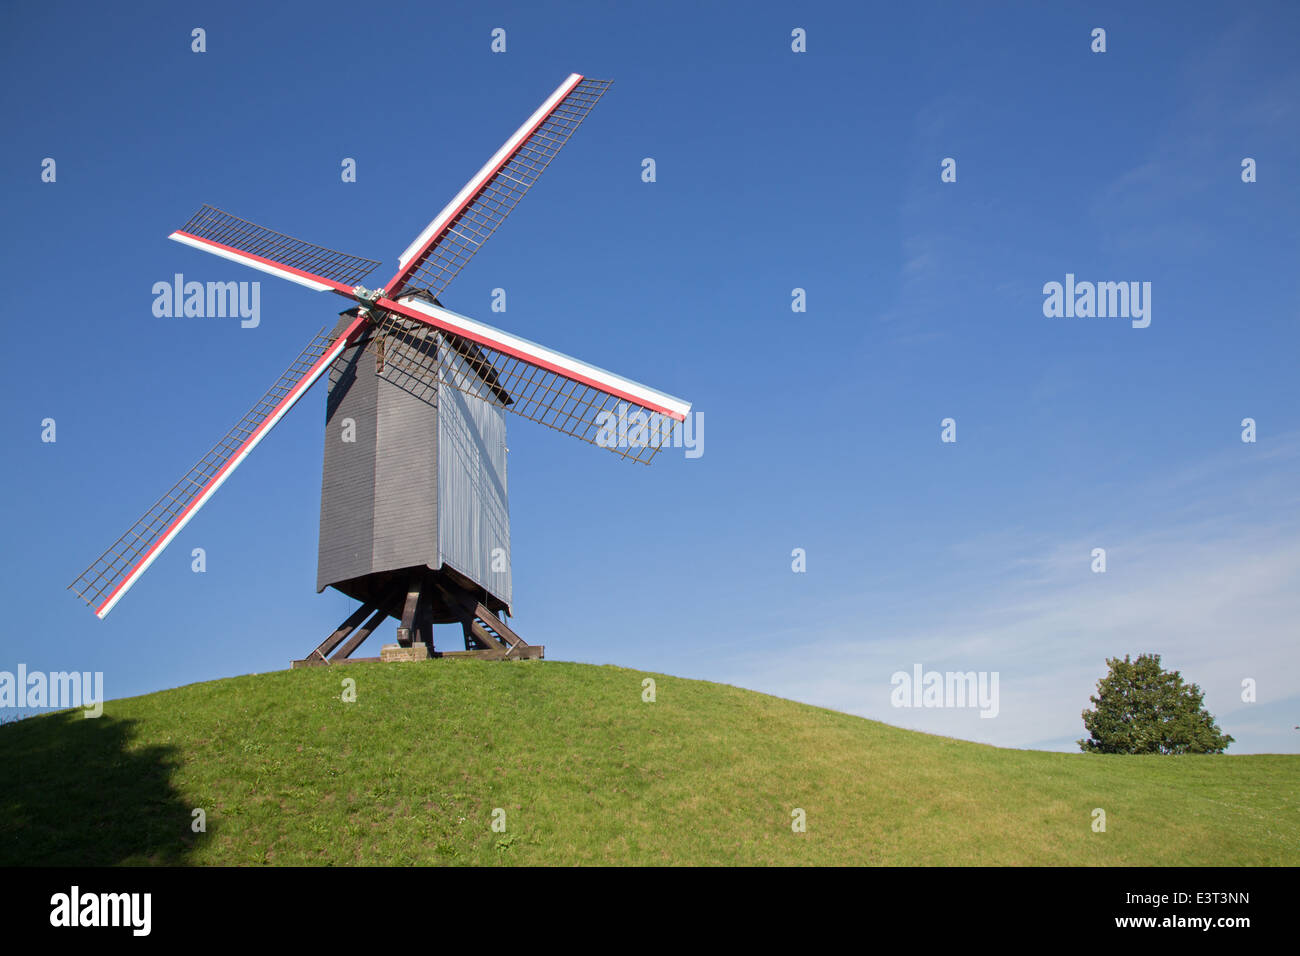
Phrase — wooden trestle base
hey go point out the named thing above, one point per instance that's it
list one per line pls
(427, 596)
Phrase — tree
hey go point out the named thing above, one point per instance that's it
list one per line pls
(1140, 708)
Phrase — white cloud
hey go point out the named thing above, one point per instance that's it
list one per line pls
(1214, 594)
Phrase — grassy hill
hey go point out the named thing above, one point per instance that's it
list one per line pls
(586, 772)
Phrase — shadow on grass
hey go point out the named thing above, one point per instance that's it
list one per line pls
(74, 793)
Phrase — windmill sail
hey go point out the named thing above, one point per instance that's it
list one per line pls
(113, 573)
(438, 253)
(239, 240)
(530, 380)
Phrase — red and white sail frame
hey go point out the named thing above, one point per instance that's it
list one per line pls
(539, 355)
(318, 283)
(436, 229)
(106, 581)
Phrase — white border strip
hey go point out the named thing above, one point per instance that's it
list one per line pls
(290, 400)
(487, 335)
(489, 168)
(250, 261)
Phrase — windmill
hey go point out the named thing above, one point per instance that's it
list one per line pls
(414, 507)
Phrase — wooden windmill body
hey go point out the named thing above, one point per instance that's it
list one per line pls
(415, 503)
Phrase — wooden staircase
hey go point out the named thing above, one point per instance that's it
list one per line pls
(485, 632)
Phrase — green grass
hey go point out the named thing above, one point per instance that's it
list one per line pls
(586, 772)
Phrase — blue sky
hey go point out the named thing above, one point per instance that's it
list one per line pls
(775, 170)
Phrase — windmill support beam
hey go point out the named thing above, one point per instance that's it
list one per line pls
(416, 626)
(322, 653)
(427, 595)
(410, 612)
(320, 656)
(359, 637)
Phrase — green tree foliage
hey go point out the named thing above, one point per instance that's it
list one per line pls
(1140, 708)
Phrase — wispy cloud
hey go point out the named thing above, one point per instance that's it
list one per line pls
(1209, 586)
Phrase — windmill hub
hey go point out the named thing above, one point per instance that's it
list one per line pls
(368, 298)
